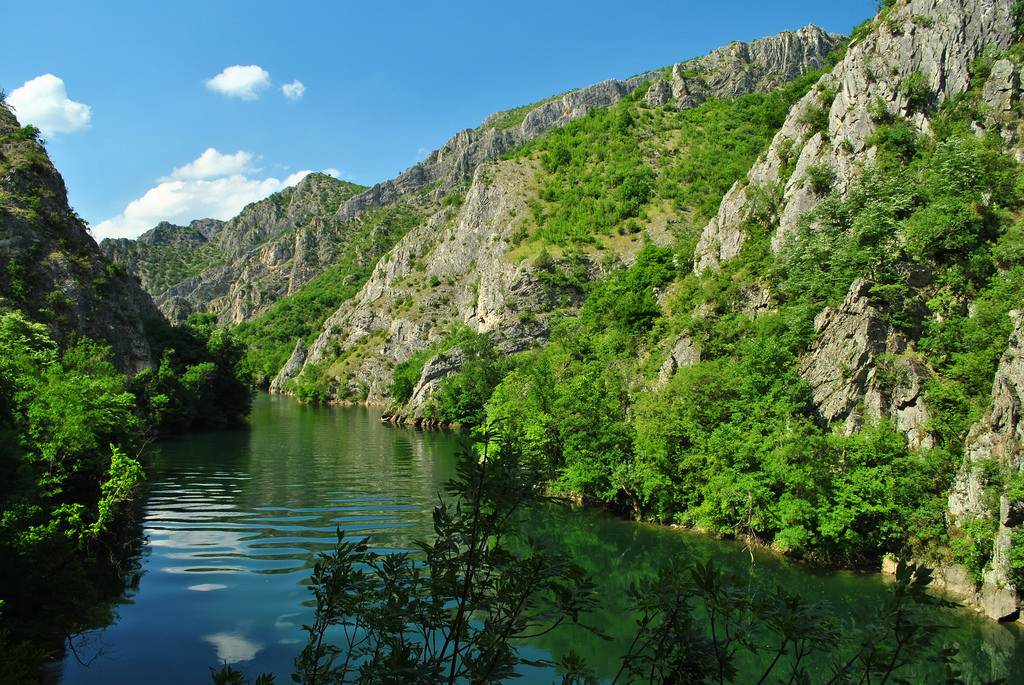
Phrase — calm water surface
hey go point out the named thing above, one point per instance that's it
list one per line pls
(234, 519)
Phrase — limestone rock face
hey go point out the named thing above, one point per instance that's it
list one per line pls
(271, 249)
(291, 367)
(1003, 86)
(932, 42)
(434, 371)
(741, 68)
(52, 268)
(861, 367)
(999, 438)
(451, 270)
(684, 353)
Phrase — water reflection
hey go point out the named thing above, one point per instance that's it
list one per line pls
(234, 521)
(235, 647)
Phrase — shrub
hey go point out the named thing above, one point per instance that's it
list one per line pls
(821, 178)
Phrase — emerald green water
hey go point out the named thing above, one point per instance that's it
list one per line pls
(233, 520)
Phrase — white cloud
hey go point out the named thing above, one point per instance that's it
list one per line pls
(212, 164)
(44, 102)
(295, 178)
(234, 647)
(241, 82)
(214, 185)
(294, 90)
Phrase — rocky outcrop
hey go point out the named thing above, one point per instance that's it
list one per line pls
(997, 440)
(683, 353)
(757, 67)
(449, 271)
(861, 367)
(1002, 89)
(291, 368)
(914, 57)
(434, 371)
(52, 268)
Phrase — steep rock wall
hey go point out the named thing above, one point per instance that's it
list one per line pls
(861, 366)
(271, 249)
(52, 268)
(999, 438)
(936, 39)
(446, 272)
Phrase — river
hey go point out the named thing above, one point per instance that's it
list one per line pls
(233, 520)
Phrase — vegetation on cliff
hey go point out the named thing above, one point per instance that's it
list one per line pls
(72, 422)
(270, 338)
(731, 443)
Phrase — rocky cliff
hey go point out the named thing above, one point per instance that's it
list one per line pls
(458, 266)
(277, 245)
(910, 59)
(902, 66)
(861, 366)
(51, 268)
(239, 268)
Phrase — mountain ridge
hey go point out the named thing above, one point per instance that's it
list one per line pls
(53, 270)
(876, 276)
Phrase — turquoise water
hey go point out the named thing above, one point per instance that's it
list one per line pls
(234, 519)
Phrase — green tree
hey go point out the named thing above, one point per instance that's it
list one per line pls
(455, 612)
(67, 426)
(455, 616)
(201, 380)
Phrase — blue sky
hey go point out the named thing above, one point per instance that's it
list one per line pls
(183, 110)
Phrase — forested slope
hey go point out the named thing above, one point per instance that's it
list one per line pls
(778, 316)
(768, 293)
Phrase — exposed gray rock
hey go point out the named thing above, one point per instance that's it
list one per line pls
(434, 371)
(998, 438)
(1002, 88)
(861, 367)
(65, 280)
(759, 66)
(452, 166)
(734, 70)
(291, 368)
(465, 281)
(1011, 512)
(660, 93)
(684, 353)
(935, 39)
(271, 249)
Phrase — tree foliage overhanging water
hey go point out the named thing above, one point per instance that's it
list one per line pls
(455, 611)
(70, 428)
